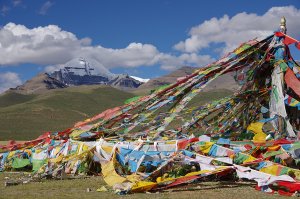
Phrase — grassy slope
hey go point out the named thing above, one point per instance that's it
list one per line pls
(209, 96)
(59, 110)
(26, 117)
(10, 99)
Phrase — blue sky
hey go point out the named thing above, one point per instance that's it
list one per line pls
(139, 37)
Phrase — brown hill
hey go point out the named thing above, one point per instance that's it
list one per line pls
(39, 84)
(224, 82)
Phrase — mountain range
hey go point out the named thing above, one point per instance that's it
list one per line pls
(78, 72)
(45, 81)
(224, 82)
(46, 104)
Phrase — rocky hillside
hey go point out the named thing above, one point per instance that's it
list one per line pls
(82, 71)
(125, 82)
(39, 84)
(167, 79)
(224, 82)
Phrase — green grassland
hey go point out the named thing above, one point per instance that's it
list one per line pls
(25, 117)
(77, 188)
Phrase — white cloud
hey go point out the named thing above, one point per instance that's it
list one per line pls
(52, 68)
(239, 28)
(9, 80)
(41, 45)
(169, 62)
(135, 54)
(45, 7)
(50, 45)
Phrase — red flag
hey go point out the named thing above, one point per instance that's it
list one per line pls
(288, 39)
(292, 81)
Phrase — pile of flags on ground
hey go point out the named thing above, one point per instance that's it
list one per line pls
(160, 141)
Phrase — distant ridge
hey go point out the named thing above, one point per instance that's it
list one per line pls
(46, 104)
(39, 84)
(166, 79)
(63, 78)
(224, 82)
(82, 71)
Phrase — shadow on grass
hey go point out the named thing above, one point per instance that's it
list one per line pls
(210, 186)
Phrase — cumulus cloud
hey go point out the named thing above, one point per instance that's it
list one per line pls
(41, 45)
(45, 7)
(135, 54)
(50, 45)
(239, 28)
(170, 62)
(53, 47)
(9, 80)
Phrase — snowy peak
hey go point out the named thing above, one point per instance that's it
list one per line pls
(140, 79)
(81, 71)
(125, 82)
(77, 72)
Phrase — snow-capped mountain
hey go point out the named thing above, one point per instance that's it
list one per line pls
(82, 71)
(76, 72)
(140, 79)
